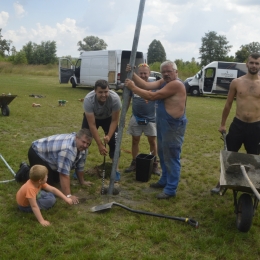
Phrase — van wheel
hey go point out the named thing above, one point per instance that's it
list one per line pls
(194, 91)
(73, 83)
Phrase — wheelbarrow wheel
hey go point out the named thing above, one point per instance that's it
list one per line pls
(5, 111)
(245, 212)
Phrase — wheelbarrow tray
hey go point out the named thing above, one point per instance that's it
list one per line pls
(231, 176)
(6, 100)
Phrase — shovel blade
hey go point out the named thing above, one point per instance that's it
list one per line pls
(102, 207)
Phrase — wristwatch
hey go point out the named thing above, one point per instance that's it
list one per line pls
(68, 196)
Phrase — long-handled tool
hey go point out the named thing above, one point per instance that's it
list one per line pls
(8, 166)
(190, 221)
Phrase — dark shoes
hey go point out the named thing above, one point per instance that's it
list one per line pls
(162, 196)
(22, 174)
(132, 167)
(215, 190)
(157, 185)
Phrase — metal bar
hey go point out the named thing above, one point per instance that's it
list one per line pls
(126, 93)
(8, 166)
(242, 167)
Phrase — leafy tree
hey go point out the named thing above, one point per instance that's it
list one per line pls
(5, 45)
(20, 58)
(156, 52)
(213, 47)
(44, 53)
(246, 50)
(92, 43)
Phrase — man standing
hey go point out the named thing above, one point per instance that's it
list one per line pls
(170, 122)
(60, 154)
(102, 108)
(245, 128)
(142, 121)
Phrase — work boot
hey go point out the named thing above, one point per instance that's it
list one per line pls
(156, 170)
(132, 166)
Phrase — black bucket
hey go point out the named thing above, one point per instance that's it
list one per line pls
(144, 167)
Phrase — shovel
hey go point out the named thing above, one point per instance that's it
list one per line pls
(190, 221)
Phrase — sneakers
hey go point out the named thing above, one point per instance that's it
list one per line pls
(157, 185)
(156, 170)
(22, 174)
(163, 195)
(132, 167)
(216, 190)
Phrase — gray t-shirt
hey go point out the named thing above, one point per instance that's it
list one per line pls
(91, 105)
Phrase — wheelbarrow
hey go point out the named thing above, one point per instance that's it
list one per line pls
(240, 172)
(5, 100)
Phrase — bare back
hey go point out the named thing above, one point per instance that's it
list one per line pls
(248, 98)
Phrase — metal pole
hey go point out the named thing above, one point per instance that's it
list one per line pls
(126, 93)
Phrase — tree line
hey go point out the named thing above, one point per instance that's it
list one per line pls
(214, 47)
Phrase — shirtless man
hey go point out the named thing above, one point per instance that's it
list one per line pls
(245, 128)
(170, 122)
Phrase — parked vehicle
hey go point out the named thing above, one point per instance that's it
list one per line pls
(154, 75)
(91, 66)
(214, 78)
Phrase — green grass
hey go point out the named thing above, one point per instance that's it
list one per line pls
(76, 233)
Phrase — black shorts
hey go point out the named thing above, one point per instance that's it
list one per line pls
(243, 133)
(34, 158)
(105, 124)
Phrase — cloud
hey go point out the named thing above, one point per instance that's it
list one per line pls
(19, 10)
(4, 16)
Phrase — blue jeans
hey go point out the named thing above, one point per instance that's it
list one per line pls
(45, 200)
(170, 136)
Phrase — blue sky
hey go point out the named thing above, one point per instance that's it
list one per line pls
(178, 24)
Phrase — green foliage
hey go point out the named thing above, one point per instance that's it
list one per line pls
(213, 48)
(156, 52)
(44, 53)
(245, 50)
(5, 45)
(155, 66)
(20, 58)
(92, 43)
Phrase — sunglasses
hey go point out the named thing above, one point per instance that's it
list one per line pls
(143, 65)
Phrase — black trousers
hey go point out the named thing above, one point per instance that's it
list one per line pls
(243, 133)
(105, 124)
(53, 176)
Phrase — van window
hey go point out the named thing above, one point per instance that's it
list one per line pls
(209, 73)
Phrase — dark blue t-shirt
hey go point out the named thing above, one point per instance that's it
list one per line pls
(143, 108)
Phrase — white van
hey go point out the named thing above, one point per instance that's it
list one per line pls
(91, 66)
(215, 78)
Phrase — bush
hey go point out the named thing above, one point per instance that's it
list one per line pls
(20, 58)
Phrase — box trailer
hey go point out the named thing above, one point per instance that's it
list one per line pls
(214, 78)
(91, 66)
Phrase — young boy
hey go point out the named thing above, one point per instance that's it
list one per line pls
(36, 194)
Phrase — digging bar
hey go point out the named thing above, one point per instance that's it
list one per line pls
(126, 93)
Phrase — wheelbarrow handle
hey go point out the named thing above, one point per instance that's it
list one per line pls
(224, 139)
(242, 167)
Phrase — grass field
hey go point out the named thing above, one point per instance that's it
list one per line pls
(76, 233)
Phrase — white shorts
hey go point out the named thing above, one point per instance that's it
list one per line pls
(136, 130)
